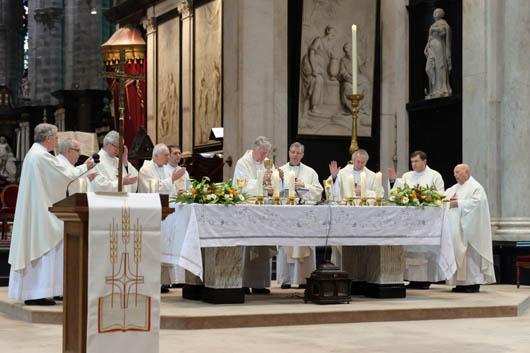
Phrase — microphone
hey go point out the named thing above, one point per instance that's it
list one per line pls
(95, 157)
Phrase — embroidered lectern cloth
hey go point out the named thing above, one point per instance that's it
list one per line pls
(123, 310)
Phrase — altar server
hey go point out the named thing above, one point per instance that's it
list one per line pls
(256, 259)
(155, 177)
(295, 263)
(174, 158)
(107, 178)
(36, 253)
(420, 261)
(340, 184)
(469, 219)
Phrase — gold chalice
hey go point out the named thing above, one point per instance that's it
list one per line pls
(328, 183)
(241, 183)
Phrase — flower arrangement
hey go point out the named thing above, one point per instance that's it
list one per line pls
(417, 196)
(206, 192)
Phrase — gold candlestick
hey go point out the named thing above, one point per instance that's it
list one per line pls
(364, 201)
(290, 200)
(260, 200)
(355, 98)
(379, 201)
(276, 200)
(349, 201)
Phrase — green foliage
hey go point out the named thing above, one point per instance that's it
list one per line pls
(417, 196)
(205, 192)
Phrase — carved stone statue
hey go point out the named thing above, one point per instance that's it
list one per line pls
(5, 152)
(318, 66)
(438, 54)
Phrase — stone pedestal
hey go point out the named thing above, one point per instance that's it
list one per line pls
(222, 268)
(377, 271)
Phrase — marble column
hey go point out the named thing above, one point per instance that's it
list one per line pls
(149, 25)
(187, 75)
(495, 109)
(254, 77)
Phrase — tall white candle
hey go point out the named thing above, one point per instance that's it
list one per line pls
(154, 185)
(82, 185)
(349, 187)
(379, 184)
(259, 175)
(354, 58)
(276, 184)
(291, 183)
(363, 184)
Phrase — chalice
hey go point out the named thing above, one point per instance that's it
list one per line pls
(328, 183)
(241, 183)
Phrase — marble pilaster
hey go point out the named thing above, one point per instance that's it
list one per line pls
(254, 77)
(187, 75)
(149, 25)
(495, 106)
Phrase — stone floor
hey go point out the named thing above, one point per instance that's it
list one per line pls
(474, 335)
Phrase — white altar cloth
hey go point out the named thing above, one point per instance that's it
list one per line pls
(193, 226)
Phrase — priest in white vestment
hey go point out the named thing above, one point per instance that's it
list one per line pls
(340, 178)
(469, 219)
(295, 263)
(36, 253)
(174, 158)
(421, 267)
(107, 169)
(155, 178)
(256, 259)
(69, 153)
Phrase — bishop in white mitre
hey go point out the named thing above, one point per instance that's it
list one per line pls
(295, 263)
(421, 267)
(341, 176)
(69, 153)
(174, 158)
(256, 259)
(469, 219)
(36, 253)
(154, 177)
(107, 168)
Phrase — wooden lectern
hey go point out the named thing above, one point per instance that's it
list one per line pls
(74, 212)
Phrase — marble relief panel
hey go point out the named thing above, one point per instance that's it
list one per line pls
(326, 66)
(168, 76)
(208, 71)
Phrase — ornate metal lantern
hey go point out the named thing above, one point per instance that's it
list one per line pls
(328, 285)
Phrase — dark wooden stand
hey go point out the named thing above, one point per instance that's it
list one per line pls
(74, 212)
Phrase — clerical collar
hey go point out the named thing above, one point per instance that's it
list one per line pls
(294, 166)
(156, 165)
(422, 172)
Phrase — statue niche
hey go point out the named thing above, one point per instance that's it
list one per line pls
(438, 55)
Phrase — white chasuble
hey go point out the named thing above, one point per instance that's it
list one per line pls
(426, 178)
(471, 233)
(341, 182)
(153, 178)
(295, 263)
(78, 186)
(107, 178)
(123, 311)
(181, 183)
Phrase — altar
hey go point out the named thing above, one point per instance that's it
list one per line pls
(221, 231)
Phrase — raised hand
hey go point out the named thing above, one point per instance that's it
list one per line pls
(125, 156)
(392, 175)
(90, 163)
(334, 169)
(92, 176)
(178, 173)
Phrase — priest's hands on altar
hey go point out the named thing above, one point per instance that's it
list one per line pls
(92, 176)
(392, 174)
(280, 172)
(129, 180)
(334, 169)
(178, 173)
(299, 184)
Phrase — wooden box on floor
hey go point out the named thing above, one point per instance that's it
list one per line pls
(74, 212)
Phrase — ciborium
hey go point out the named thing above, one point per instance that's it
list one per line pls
(328, 184)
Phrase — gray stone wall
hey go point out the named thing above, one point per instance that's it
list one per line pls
(11, 45)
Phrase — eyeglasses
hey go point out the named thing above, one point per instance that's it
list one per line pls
(76, 149)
